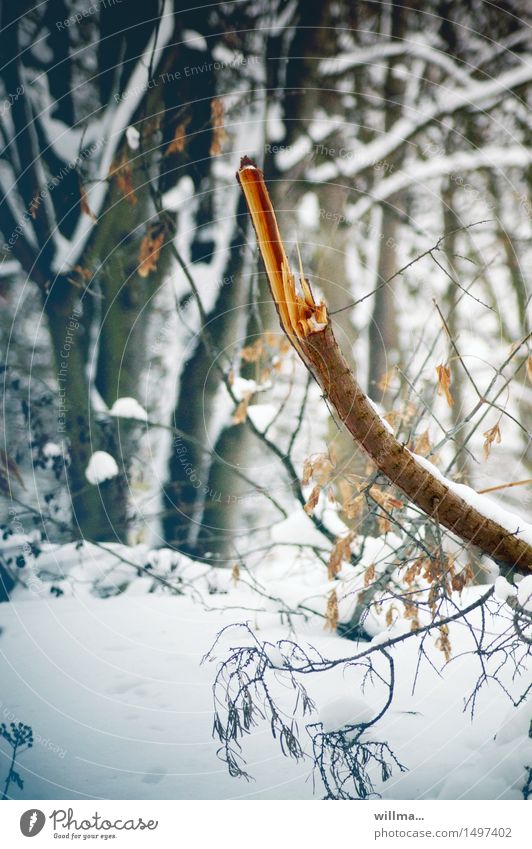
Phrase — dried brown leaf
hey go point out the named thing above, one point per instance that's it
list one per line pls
(340, 551)
(422, 445)
(385, 499)
(386, 379)
(312, 500)
(444, 383)
(218, 131)
(384, 525)
(178, 143)
(34, 205)
(369, 575)
(389, 615)
(331, 613)
(241, 413)
(150, 250)
(443, 643)
(121, 173)
(252, 353)
(84, 273)
(491, 436)
(307, 473)
(323, 467)
(84, 203)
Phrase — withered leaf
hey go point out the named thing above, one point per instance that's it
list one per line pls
(241, 413)
(307, 472)
(34, 206)
(150, 250)
(369, 575)
(120, 172)
(386, 379)
(312, 501)
(177, 145)
(422, 444)
(444, 383)
(84, 203)
(331, 613)
(218, 131)
(252, 353)
(385, 499)
(493, 435)
(443, 643)
(340, 551)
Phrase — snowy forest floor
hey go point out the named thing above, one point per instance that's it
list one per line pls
(121, 706)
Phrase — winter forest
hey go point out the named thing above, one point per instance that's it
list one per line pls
(265, 470)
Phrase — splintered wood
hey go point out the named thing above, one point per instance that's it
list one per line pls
(299, 313)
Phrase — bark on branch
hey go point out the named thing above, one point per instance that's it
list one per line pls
(308, 328)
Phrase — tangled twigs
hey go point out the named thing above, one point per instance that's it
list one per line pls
(306, 324)
(344, 760)
(255, 675)
(244, 694)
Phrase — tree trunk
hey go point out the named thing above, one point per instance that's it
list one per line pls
(189, 465)
(92, 517)
(383, 335)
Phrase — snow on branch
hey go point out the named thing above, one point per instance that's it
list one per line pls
(479, 95)
(113, 126)
(420, 172)
(380, 52)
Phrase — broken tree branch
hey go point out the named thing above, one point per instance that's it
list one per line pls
(306, 323)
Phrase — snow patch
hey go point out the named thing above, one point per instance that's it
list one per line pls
(347, 710)
(102, 467)
(51, 449)
(524, 593)
(488, 508)
(262, 415)
(128, 408)
(308, 211)
(194, 40)
(174, 198)
(133, 138)
(503, 589)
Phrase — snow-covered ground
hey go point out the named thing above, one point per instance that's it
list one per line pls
(121, 706)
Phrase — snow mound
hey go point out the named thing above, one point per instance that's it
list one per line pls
(242, 387)
(102, 467)
(347, 710)
(503, 589)
(51, 449)
(128, 408)
(133, 138)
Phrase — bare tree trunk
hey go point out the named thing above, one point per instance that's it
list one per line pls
(189, 465)
(92, 516)
(450, 225)
(383, 334)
